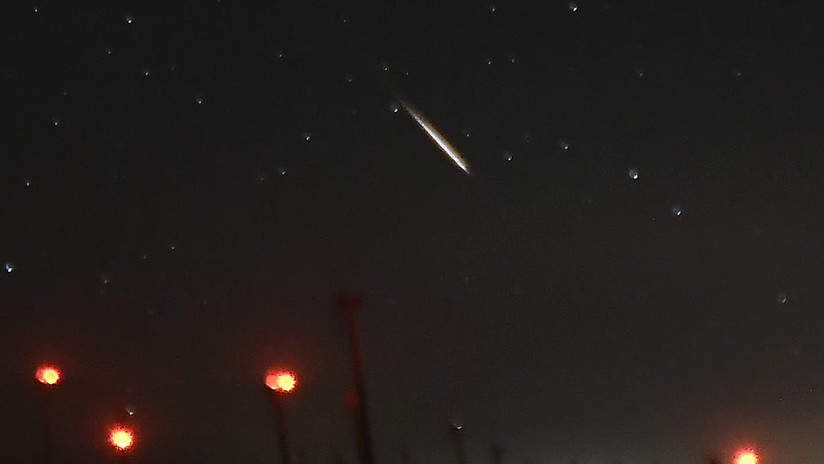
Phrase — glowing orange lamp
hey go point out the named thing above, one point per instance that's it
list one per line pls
(48, 375)
(121, 438)
(281, 381)
(746, 456)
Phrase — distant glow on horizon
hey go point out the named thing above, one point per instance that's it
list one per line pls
(436, 137)
(746, 456)
(281, 381)
(121, 438)
(48, 375)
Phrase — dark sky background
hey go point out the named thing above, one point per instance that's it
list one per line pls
(631, 274)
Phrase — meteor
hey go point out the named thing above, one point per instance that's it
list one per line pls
(436, 136)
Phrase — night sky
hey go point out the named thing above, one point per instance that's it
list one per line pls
(631, 273)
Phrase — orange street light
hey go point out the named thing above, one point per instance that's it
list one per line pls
(48, 375)
(281, 381)
(121, 437)
(746, 456)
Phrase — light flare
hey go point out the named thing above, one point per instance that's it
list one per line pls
(281, 381)
(746, 456)
(48, 375)
(436, 136)
(121, 438)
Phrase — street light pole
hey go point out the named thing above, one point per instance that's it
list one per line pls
(45, 419)
(405, 458)
(48, 376)
(350, 303)
(284, 444)
(281, 383)
(497, 454)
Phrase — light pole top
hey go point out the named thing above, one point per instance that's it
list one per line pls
(122, 438)
(349, 301)
(281, 381)
(746, 456)
(48, 375)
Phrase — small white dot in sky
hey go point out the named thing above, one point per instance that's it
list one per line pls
(572, 6)
(105, 279)
(488, 61)
(9, 267)
(27, 182)
(307, 136)
(199, 100)
(677, 211)
(508, 156)
(172, 246)
(511, 58)
(564, 144)
(639, 73)
(146, 72)
(55, 121)
(492, 7)
(782, 298)
(394, 107)
(36, 9)
(467, 133)
(282, 171)
(633, 174)
(349, 78)
(129, 19)
(108, 50)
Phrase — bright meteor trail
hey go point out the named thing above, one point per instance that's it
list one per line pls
(436, 136)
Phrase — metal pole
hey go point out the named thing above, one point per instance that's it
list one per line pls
(349, 303)
(284, 446)
(45, 419)
(497, 454)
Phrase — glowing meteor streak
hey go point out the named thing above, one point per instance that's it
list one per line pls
(436, 136)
